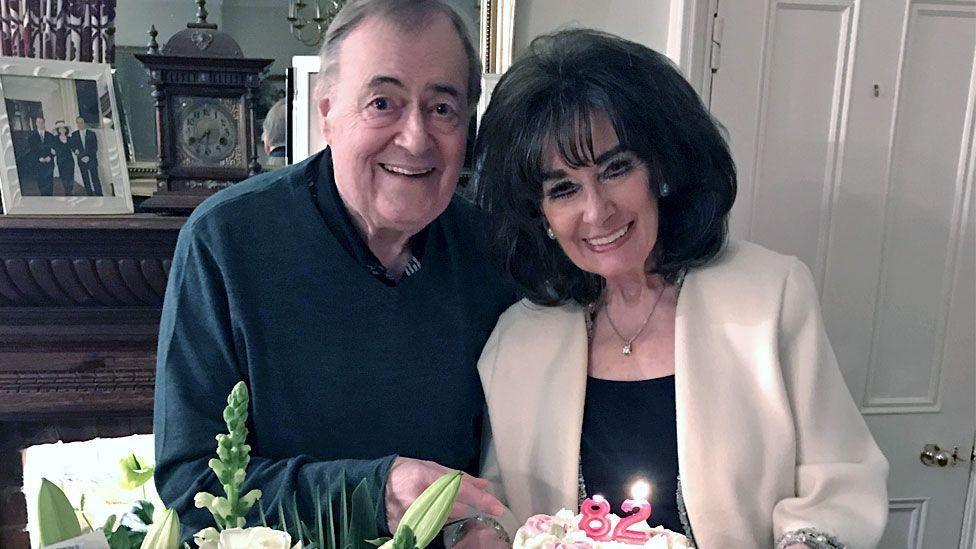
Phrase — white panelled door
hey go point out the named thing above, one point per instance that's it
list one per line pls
(852, 123)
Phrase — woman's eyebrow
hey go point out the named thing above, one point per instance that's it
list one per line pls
(610, 154)
(555, 174)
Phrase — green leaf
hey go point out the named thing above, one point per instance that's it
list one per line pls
(343, 512)
(330, 542)
(378, 541)
(56, 520)
(362, 522)
(404, 538)
(143, 511)
(120, 540)
(282, 523)
(261, 517)
(319, 529)
(296, 519)
(109, 525)
(136, 539)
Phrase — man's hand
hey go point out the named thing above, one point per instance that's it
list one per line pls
(409, 477)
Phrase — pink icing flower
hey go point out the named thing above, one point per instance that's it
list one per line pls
(538, 524)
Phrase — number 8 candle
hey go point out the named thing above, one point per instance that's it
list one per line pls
(595, 520)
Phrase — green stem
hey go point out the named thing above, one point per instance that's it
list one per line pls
(90, 527)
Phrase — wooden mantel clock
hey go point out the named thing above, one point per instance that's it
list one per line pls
(204, 90)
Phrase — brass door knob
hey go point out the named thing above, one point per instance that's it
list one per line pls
(933, 456)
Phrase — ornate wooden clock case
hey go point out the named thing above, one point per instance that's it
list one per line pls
(204, 90)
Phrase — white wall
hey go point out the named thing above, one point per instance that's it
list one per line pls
(261, 29)
(133, 18)
(259, 26)
(643, 21)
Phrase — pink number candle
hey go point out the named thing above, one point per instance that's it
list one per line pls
(595, 520)
(622, 533)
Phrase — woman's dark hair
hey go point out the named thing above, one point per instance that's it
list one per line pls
(57, 130)
(546, 98)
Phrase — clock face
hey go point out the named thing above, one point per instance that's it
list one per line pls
(207, 131)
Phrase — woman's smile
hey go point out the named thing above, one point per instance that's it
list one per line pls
(611, 241)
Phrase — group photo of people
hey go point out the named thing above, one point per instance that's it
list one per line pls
(55, 126)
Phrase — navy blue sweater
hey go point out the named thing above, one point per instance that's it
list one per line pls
(345, 371)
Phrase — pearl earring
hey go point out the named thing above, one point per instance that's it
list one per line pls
(552, 235)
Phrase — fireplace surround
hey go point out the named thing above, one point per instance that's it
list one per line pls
(80, 299)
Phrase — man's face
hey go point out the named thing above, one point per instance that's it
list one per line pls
(396, 120)
(80, 122)
(40, 124)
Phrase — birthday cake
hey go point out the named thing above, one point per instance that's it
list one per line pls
(562, 531)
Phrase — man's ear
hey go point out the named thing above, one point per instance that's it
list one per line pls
(324, 105)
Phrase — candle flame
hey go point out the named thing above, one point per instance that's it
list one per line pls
(640, 490)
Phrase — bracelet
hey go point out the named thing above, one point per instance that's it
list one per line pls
(462, 527)
(811, 537)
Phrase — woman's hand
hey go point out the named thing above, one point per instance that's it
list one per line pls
(410, 477)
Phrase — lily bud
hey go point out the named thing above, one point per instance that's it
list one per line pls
(163, 533)
(426, 515)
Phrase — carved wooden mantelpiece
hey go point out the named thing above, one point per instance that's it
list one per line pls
(80, 299)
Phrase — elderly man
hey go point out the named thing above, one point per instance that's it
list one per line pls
(349, 290)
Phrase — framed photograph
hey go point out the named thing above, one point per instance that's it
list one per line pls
(497, 35)
(306, 139)
(61, 146)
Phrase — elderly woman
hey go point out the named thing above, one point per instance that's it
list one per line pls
(649, 347)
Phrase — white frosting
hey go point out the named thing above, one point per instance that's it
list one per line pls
(561, 531)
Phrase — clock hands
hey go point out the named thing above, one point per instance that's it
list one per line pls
(210, 136)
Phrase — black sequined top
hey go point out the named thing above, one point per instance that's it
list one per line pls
(630, 434)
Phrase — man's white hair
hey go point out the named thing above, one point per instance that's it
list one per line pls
(276, 125)
(408, 15)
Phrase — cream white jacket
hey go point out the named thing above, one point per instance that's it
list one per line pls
(769, 439)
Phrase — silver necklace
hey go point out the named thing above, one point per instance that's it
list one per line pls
(628, 347)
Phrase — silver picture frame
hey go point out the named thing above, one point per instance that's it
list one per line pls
(61, 149)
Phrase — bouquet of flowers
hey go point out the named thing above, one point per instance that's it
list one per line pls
(350, 526)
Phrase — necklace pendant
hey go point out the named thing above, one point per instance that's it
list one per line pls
(627, 349)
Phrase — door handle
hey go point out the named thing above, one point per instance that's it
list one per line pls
(933, 456)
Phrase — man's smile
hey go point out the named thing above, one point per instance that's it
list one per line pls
(407, 171)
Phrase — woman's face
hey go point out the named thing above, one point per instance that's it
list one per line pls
(603, 215)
